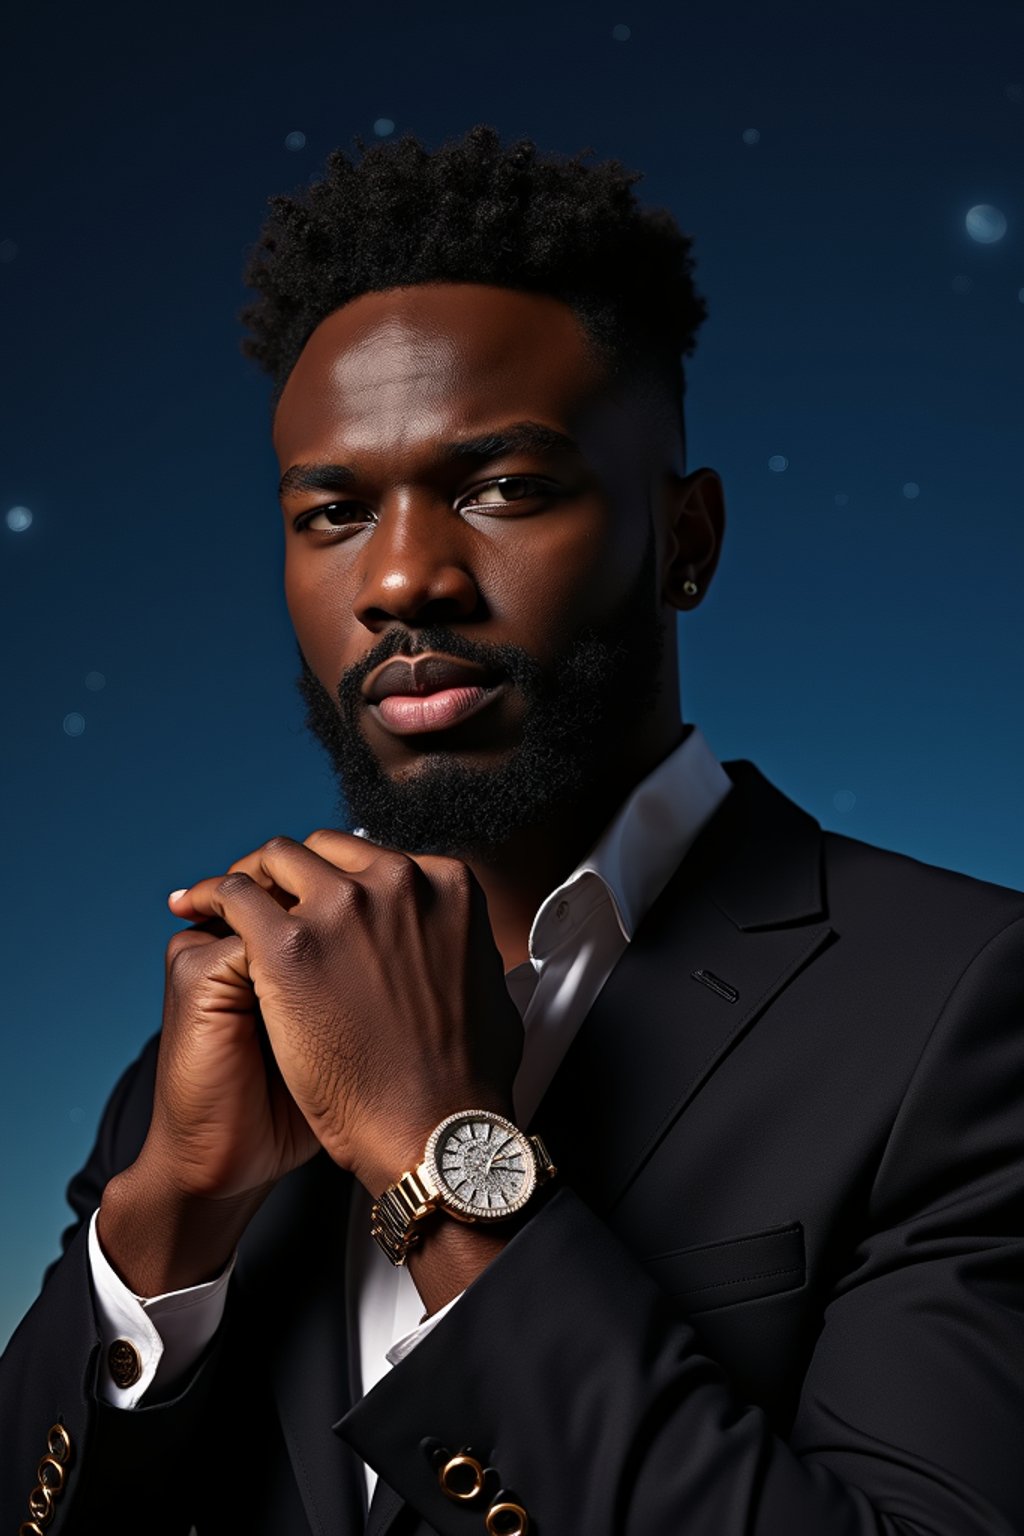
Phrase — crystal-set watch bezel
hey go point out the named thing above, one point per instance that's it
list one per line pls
(447, 1196)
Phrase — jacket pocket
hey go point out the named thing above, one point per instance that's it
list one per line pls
(733, 1269)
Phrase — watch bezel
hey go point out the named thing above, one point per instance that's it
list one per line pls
(452, 1202)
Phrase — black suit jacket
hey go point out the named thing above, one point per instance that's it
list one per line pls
(778, 1290)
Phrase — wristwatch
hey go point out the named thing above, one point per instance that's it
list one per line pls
(477, 1166)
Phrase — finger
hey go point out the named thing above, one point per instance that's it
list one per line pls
(230, 948)
(355, 857)
(287, 871)
(239, 901)
(346, 851)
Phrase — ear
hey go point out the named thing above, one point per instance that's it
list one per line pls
(693, 523)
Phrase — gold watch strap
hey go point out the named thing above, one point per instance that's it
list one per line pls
(395, 1216)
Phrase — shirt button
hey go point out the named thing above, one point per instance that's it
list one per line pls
(562, 909)
(125, 1363)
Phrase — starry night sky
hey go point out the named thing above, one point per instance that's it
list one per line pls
(858, 386)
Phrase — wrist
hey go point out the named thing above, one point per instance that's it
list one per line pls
(158, 1239)
(452, 1255)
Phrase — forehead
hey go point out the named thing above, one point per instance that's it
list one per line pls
(416, 363)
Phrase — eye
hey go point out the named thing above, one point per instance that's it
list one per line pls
(512, 487)
(506, 491)
(338, 514)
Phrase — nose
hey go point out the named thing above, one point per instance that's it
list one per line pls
(417, 569)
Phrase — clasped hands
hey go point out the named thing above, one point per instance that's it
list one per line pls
(332, 993)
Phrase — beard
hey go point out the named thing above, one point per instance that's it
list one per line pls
(590, 698)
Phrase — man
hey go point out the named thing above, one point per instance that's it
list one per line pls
(585, 1142)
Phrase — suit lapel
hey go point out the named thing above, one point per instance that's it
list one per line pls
(384, 1506)
(738, 911)
(291, 1274)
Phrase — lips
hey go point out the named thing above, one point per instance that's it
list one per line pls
(423, 675)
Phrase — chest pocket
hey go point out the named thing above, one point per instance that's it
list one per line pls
(735, 1269)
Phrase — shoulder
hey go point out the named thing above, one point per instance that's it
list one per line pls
(863, 879)
(913, 936)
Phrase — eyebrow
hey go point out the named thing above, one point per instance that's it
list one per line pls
(517, 437)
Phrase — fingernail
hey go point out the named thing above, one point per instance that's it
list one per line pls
(177, 895)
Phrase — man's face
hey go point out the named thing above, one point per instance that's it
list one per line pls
(544, 586)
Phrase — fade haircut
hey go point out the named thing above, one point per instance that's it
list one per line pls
(475, 212)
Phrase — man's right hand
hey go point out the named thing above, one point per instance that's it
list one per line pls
(224, 1126)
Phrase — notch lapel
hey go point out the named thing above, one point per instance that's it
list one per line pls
(740, 907)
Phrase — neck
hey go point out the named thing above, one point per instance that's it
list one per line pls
(517, 877)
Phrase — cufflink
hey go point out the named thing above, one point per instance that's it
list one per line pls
(124, 1362)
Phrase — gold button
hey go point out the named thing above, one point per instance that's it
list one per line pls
(50, 1474)
(40, 1504)
(507, 1519)
(125, 1363)
(462, 1478)
(58, 1443)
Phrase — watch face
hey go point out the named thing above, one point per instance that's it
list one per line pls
(484, 1165)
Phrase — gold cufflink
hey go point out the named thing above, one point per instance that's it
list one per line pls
(125, 1363)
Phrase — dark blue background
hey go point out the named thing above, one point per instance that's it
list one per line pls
(862, 646)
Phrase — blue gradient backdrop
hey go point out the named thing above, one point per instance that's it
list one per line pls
(862, 643)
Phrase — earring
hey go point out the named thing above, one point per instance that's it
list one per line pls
(690, 587)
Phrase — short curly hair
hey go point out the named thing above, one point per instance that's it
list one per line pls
(473, 211)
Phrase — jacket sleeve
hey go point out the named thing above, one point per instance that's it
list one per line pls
(50, 1370)
(570, 1371)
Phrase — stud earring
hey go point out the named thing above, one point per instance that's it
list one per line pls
(690, 587)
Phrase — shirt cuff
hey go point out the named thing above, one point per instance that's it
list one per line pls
(405, 1345)
(168, 1332)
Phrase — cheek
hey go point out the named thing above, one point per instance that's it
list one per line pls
(318, 600)
(575, 573)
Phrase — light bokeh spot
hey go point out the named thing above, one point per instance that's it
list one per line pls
(295, 140)
(383, 126)
(911, 490)
(962, 283)
(94, 681)
(8, 250)
(74, 724)
(778, 463)
(18, 519)
(844, 800)
(621, 33)
(985, 224)
(751, 136)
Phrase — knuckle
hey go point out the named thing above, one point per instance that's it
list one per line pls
(180, 963)
(400, 874)
(279, 844)
(349, 896)
(457, 880)
(321, 835)
(233, 884)
(298, 942)
(177, 944)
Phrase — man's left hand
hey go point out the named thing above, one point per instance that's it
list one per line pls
(381, 989)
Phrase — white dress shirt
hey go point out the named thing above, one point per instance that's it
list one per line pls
(579, 932)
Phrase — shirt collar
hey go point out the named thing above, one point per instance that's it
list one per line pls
(639, 850)
(641, 847)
